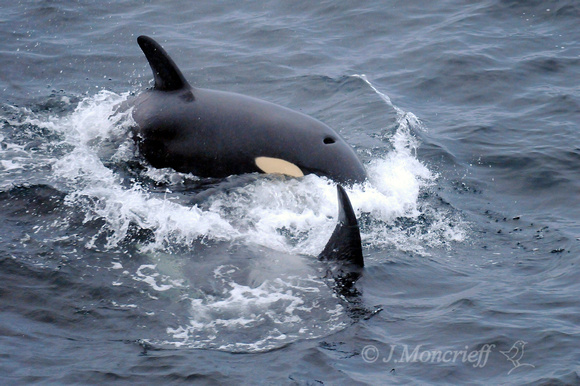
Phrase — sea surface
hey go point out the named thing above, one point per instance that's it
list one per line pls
(465, 113)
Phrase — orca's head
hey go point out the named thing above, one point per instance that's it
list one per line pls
(318, 150)
(332, 157)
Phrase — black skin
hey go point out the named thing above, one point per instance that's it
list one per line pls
(345, 244)
(216, 134)
(344, 253)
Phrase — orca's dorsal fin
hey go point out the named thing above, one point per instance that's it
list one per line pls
(345, 243)
(167, 75)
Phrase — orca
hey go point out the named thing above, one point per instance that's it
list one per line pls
(216, 134)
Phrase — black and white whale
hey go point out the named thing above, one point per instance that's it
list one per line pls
(217, 134)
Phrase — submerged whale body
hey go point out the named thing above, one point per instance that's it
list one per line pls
(216, 134)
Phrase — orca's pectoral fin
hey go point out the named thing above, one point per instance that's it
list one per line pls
(167, 75)
(345, 244)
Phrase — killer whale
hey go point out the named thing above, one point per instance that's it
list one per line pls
(217, 134)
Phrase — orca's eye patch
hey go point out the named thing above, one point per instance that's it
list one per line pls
(329, 140)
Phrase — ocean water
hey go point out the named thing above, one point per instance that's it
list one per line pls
(465, 114)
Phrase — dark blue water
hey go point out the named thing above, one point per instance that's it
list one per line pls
(465, 114)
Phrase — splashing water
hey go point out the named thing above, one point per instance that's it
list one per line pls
(289, 215)
(86, 154)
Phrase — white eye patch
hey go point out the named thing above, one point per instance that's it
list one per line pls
(278, 166)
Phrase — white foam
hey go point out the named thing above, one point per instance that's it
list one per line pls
(10, 164)
(117, 265)
(147, 273)
(289, 215)
(252, 318)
